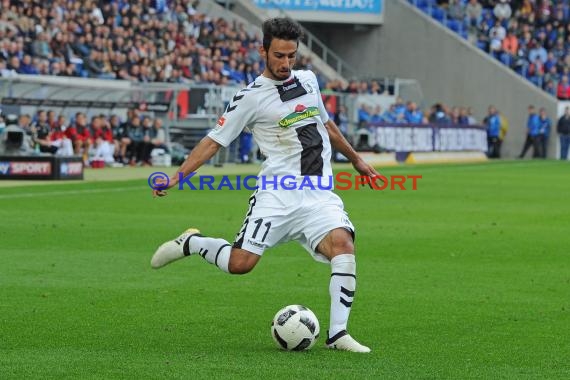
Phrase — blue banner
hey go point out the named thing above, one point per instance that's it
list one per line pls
(340, 6)
(428, 138)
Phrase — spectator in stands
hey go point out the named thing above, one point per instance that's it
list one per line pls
(493, 124)
(245, 146)
(544, 131)
(470, 118)
(376, 116)
(510, 47)
(42, 134)
(533, 127)
(495, 44)
(104, 143)
(135, 138)
(456, 10)
(147, 146)
(376, 88)
(390, 115)
(27, 67)
(498, 31)
(364, 115)
(502, 10)
(536, 71)
(473, 12)
(438, 114)
(4, 71)
(400, 106)
(563, 89)
(342, 121)
(454, 115)
(158, 136)
(537, 51)
(563, 129)
(463, 119)
(526, 10)
(14, 65)
(58, 138)
(80, 136)
(413, 115)
(25, 122)
(550, 87)
(122, 137)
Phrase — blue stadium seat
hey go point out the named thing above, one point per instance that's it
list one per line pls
(423, 3)
(485, 11)
(537, 81)
(454, 25)
(438, 14)
(481, 45)
(507, 59)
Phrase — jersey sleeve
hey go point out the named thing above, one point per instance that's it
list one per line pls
(322, 109)
(239, 114)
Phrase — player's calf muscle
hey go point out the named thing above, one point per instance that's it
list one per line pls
(242, 261)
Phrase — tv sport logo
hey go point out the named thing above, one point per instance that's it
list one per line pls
(340, 181)
(4, 168)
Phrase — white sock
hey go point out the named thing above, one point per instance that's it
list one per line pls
(341, 289)
(215, 251)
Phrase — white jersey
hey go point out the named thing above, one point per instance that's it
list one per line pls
(287, 121)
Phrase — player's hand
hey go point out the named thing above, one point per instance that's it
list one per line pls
(162, 186)
(367, 170)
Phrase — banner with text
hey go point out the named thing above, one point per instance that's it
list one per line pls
(430, 138)
(342, 11)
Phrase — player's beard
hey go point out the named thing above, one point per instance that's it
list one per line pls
(278, 75)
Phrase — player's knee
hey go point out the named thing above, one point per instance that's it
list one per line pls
(343, 244)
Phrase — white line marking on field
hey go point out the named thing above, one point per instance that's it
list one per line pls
(68, 192)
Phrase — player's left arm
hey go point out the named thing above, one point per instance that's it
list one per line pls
(339, 143)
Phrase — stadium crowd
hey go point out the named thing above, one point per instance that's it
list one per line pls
(137, 40)
(102, 139)
(530, 36)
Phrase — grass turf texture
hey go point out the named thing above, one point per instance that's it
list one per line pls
(467, 277)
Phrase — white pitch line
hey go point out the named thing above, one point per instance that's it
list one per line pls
(68, 192)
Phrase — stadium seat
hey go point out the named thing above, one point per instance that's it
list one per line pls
(482, 45)
(454, 25)
(420, 3)
(426, 10)
(438, 14)
(536, 80)
(507, 59)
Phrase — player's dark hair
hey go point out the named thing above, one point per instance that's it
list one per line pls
(282, 28)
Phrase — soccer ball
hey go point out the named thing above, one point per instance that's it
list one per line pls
(295, 328)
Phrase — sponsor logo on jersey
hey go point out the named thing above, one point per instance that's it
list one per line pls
(255, 244)
(301, 113)
(221, 121)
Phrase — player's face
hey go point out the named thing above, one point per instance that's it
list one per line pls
(279, 59)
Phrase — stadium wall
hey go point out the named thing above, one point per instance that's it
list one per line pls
(449, 69)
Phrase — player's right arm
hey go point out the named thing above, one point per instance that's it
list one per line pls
(239, 113)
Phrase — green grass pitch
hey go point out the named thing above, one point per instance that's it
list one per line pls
(466, 277)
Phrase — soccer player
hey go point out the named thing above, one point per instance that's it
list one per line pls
(285, 112)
